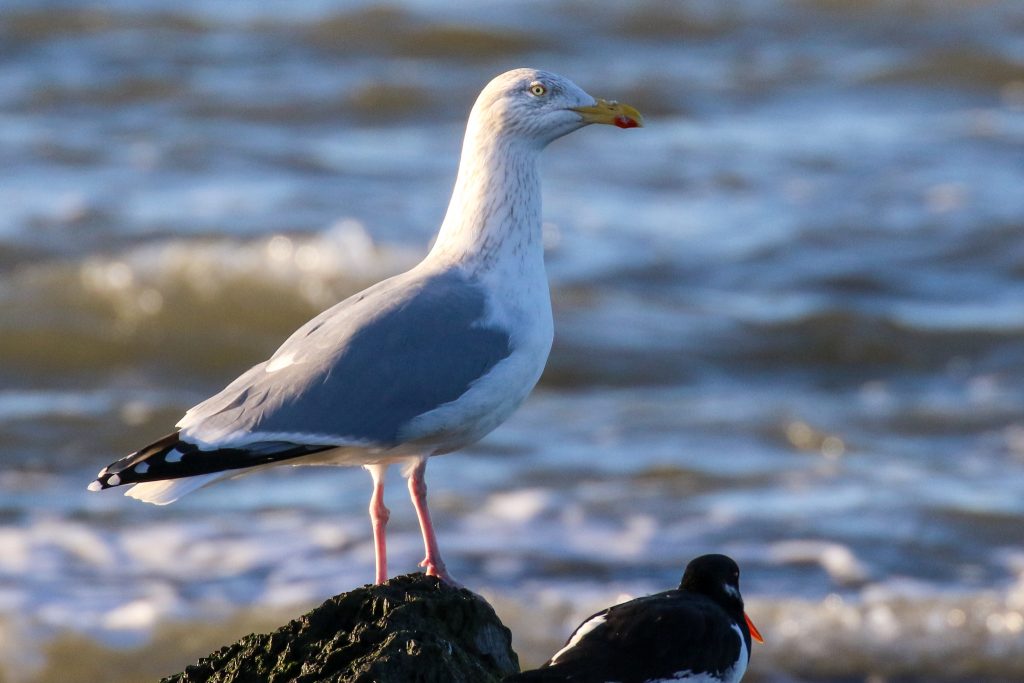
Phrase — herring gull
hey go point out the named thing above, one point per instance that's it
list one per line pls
(423, 363)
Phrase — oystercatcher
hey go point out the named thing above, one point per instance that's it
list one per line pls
(697, 633)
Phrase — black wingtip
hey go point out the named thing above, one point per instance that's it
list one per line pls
(131, 468)
(173, 458)
(106, 480)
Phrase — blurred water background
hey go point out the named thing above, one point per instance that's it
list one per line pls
(789, 318)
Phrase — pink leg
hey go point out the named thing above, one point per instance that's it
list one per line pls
(418, 491)
(379, 515)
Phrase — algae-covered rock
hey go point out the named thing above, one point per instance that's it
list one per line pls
(412, 629)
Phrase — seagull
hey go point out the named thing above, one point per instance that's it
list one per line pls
(420, 364)
(697, 633)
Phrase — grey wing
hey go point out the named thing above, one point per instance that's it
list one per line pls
(362, 370)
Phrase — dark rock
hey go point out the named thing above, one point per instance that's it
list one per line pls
(412, 629)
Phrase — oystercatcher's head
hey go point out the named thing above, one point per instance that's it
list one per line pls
(718, 577)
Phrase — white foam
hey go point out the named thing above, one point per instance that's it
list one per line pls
(837, 559)
(309, 263)
(521, 505)
(138, 615)
(79, 544)
(137, 575)
(15, 551)
(28, 404)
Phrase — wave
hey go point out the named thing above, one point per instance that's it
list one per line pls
(151, 579)
(183, 301)
(208, 302)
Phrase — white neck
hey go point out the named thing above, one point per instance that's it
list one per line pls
(494, 217)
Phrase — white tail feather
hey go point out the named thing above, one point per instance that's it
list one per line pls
(169, 490)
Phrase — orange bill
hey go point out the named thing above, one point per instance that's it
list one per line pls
(754, 633)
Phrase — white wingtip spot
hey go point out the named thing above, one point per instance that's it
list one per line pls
(96, 486)
(114, 480)
(173, 455)
(142, 467)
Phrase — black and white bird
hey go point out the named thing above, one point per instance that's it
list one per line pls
(423, 363)
(697, 633)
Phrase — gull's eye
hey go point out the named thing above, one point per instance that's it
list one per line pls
(538, 89)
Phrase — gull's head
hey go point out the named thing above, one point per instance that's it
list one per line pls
(538, 107)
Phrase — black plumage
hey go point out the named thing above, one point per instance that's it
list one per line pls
(697, 632)
(172, 458)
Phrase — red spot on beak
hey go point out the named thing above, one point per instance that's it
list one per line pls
(626, 122)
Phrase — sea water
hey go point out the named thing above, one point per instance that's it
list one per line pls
(789, 316)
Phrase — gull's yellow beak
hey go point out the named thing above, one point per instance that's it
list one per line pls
(613, 113)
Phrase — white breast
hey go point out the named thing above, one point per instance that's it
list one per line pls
(525, 312)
